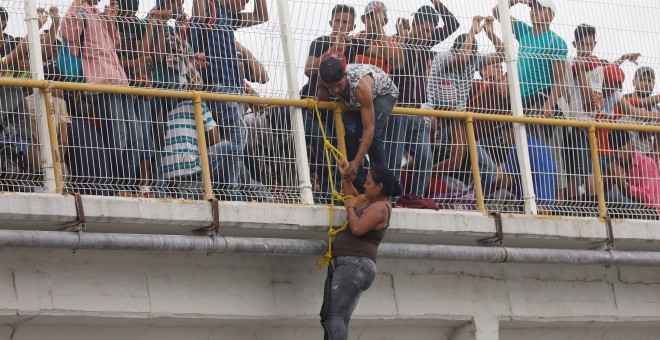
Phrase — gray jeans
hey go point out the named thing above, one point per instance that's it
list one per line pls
(353, 275)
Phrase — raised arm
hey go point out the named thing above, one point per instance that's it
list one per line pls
(450, 26)
(496, 9)
(368, 113)
(256, 17)
(256, 71)
(465, 53)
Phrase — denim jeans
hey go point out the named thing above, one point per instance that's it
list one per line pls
(411, 133)
(220, 159)
(353, 124)
(352, 276)
(143, 114)
(233, 175)
(122, 134)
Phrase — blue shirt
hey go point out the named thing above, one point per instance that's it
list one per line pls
(217, 40)
(544, 171)
(536, 55)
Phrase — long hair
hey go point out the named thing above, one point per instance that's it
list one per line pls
(383, 175)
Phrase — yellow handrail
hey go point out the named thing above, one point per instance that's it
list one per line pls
(198, 96)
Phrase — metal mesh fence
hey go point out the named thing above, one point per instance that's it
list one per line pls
(586, 60)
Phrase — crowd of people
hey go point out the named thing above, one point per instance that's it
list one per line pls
(117, 144)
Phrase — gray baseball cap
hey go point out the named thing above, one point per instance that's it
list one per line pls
(371, 7)
(645, 70)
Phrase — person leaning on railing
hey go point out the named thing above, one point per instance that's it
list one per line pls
(212, 32)
(94, 37)
(634, 176)
(541, 69)
(455, 70)
(342, 23)
(365, 87)
(410, 75)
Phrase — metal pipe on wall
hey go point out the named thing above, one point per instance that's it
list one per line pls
(296, 247)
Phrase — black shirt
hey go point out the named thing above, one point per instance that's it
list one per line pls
(131, 31)
(9, 43)
(320, 46)
(411, 79)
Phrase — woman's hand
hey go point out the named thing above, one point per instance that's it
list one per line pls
(350, 202)
(346, 172)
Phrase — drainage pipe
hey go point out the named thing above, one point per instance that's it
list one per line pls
(294, 247)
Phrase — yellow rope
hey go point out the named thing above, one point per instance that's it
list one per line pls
(329, 150)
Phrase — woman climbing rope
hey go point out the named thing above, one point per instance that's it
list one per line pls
(354, 250)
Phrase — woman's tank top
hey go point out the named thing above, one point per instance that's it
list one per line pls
(347, 244)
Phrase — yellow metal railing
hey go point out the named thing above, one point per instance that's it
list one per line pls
(198, 97)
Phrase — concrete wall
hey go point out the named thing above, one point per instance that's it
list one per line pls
(55, 294)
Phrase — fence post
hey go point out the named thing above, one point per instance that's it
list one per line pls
(516, 107)
(36, 69)
(474, 162)
(52, 133)
(203, 150)
(598, 175)
(297, 124)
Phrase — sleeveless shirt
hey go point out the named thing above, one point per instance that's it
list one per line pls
(347, 244)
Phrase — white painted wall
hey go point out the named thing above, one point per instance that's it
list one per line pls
(54, 294)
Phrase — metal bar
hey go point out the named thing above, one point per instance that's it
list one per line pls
(297, 247)
(340, 129)
(37, 72)
(323, 105)
(529, 196)
(297, 124)
(54, 144)
(598, 175)
(474, 161)
(203, 150)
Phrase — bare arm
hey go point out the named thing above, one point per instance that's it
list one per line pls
(371, 218)
(200, 11)
(637, 112)
(256, 71)
(463, 56)
(558, 72)
(322, 92)
(368, 114)
(213, 136)
(458, 149)
(256, 17)
(496, 9)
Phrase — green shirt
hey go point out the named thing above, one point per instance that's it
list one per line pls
(10, 73)
(160, 73)
(536, 55)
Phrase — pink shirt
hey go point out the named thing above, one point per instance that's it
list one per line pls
(643, 176)
(101, 65)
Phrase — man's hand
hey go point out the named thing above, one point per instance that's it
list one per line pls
(631, 57)
(488, 24)
(353, 167)
(144, 62)
(339, 42)
(547, 111)
(155, 16)
(55, 15)
(200, 61)
(42, 16)
(403, 27)
(597, 101)
(476, 24)
(111, 10)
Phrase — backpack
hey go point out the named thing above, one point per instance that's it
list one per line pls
(69, 65)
